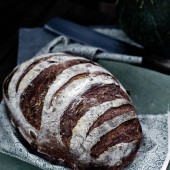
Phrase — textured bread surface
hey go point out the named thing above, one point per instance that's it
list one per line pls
(73, 111)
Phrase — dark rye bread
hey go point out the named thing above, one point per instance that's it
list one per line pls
(73, 111)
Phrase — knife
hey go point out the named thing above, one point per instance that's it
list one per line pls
(123, 51)
(82, 34)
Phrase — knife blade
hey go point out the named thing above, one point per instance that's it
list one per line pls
(82, 34)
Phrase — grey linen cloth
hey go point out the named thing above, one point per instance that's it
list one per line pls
(155, 131)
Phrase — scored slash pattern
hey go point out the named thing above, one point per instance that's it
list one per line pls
(48, 100)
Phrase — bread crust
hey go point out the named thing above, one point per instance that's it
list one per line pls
(73, 111)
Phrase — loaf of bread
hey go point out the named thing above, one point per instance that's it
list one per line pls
(74, 111)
